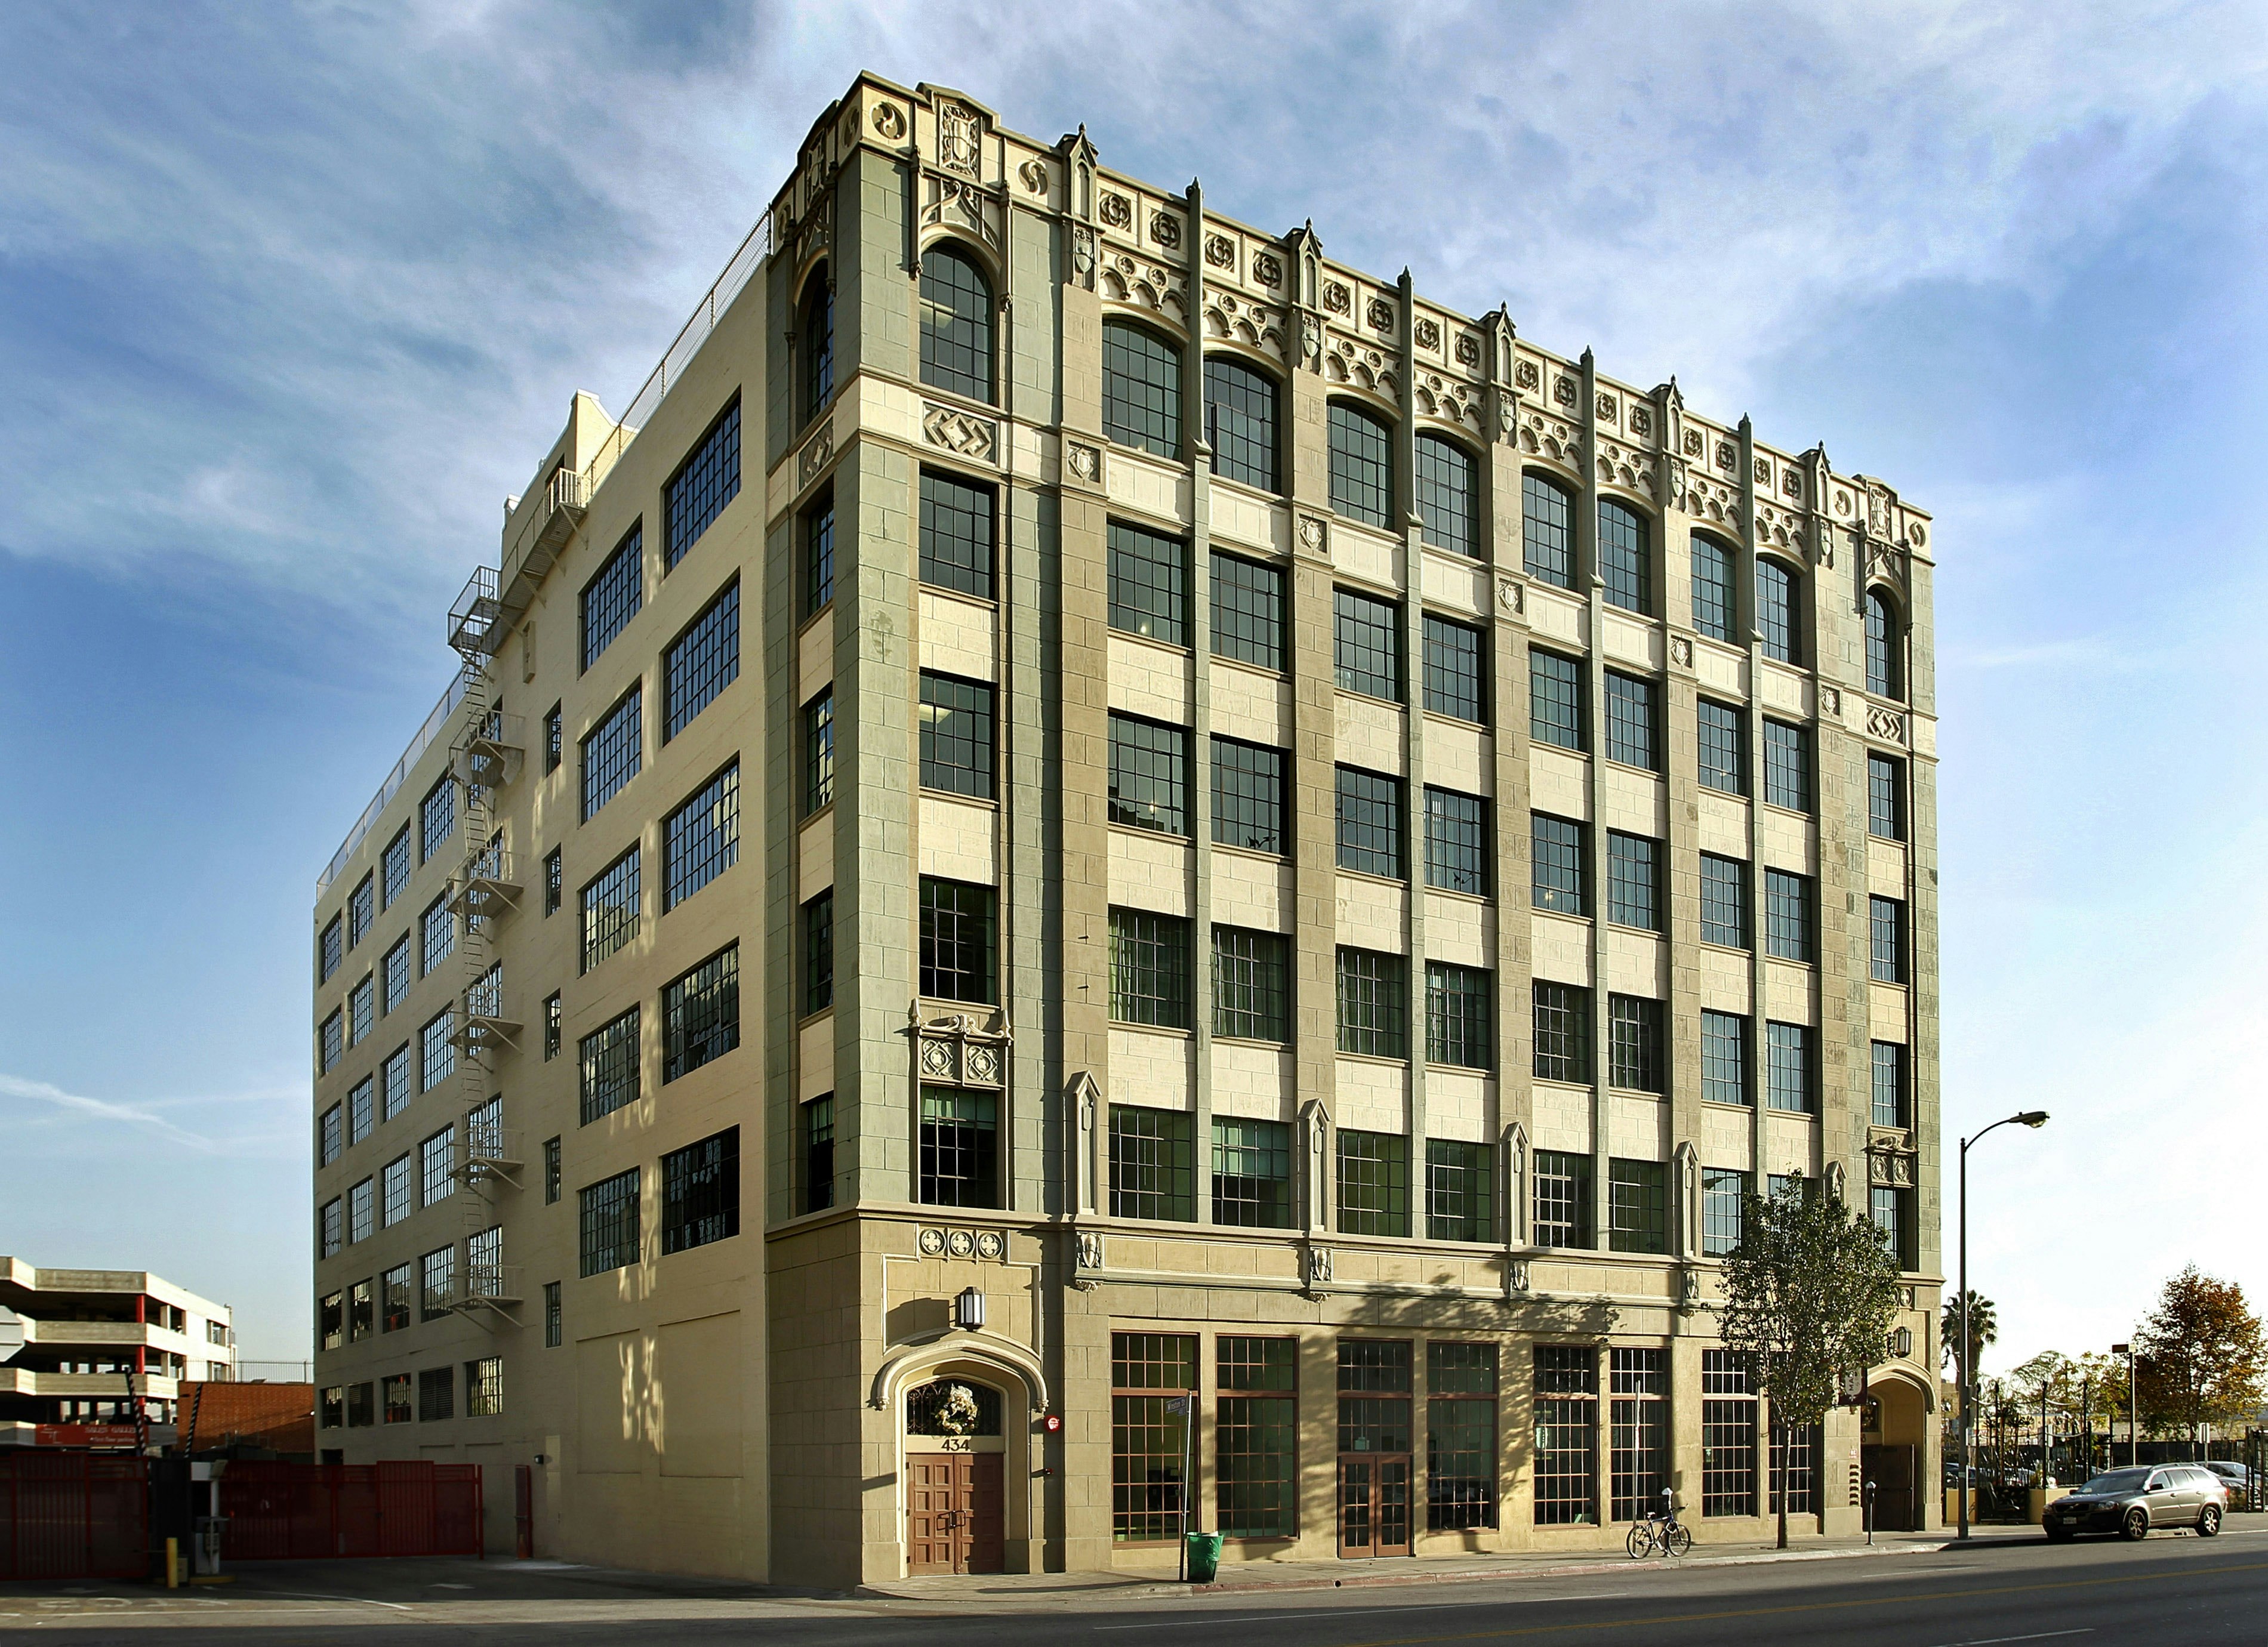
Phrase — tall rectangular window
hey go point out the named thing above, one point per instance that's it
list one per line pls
(1153, 1170)
(436, 1395)
(1788, 915)
(393, 868)
(1625, 567)
(709, 479)
(818, 527)
(1148, 584)
(361, 1002)
(1368, 816)
(701, 1192)
(554, 881)
(1547, 531)
(1460, 1193)
(1443, 487)
(437, 933)
(701, 1014)
(1361, 464)
(1887, 924)
(1251, 985)
(360, 1112)
(1631, 712)
(1555, 701)
(1723, 1190)
(818, 952)
(1247, 796)
(330, 1043)
(437, 1166)
(1373, 1003)
(554, 1022)
(554, 1171)
(1460, 1016)
(817, 1123)
(1787, 766)
(328, 1136)
(957, 941)
(613, 752)
(1633, 882)
(608, 1217)
(956, 534)
(1888, 1207)
(819, 752)
(1638, 1203)
(1256, 1437)
(437, 1283)
(1149, 1438)
(1460, 1435)
(609, 1061)
(484, 1387)
(555, 1321)
(613, 596)
(1149, 775)
(1724, 1059)
(1712, 588)
(396, 1296)
(1634, 1063)
(436, 1054)
(610, 909)
(436, 817)
(361, 909)
(1563, 1032)
(959, 1148)
(1248, 611)
(1787, 1066)
(395, 1083)
(1566, 1434)
(1728, 1435)
(394, 969)
(1366, 644)
(1251, 1174)
(1639, 1455)
(1374, 1183)
(1456, 671)
(554, 739)
(1457, 842)
(1724, 901)
(1141, 390)
(956, 735)
(1890, 1105)
(1886, 796)
(1560, 864)
(701, 661)
(1722, 748)
(1563, 1199)
(330, 1236)
(1239, 414)
(1149, 968)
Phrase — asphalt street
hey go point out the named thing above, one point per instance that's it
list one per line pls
(2166, 1589)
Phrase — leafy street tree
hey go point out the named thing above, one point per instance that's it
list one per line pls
(1984, 1328)
(1810, 1296)
(2200, 1358)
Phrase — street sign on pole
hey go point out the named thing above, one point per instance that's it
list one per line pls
(11, 1333)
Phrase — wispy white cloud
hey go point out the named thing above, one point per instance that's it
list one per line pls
(65, 1107)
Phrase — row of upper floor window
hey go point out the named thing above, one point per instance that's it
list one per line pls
(1142, 410)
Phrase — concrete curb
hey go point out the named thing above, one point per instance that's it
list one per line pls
(1156, 1591)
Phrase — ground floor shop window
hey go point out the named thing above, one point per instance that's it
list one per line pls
(1728, 1435)
(1151, 1377)
(1256, 1438)
(1460, 1435)
(1799, 1470)
(1640, 1381)
(1566, 1433)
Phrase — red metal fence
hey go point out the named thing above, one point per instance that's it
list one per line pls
(283, 1511)
(73, 1515)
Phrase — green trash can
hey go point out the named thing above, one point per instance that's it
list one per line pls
(1204, 1557)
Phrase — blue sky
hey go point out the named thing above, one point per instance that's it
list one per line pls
(291, 297)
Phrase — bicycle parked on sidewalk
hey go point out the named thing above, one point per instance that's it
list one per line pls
(1659, 1532)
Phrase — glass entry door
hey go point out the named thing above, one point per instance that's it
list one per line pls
(1374, 1504)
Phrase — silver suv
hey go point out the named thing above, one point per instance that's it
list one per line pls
(2130, 1503)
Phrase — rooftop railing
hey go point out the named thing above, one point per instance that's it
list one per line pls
(435, 725)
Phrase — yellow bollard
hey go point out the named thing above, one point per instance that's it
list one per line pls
(172, 1565)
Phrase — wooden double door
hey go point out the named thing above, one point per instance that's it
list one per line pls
(1374, 1504)
(953, 1513)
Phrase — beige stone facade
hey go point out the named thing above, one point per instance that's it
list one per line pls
(1197, 1069)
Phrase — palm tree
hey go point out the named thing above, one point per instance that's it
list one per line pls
(1984, 1328)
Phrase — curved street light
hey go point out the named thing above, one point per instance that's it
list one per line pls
(2033, 1119)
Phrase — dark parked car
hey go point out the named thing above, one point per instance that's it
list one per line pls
(2130, 1503)
(2235, 1477)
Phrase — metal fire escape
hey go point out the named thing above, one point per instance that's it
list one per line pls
(487, 754)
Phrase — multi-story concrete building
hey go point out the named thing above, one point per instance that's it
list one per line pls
(1299, 849)
(96, 1342)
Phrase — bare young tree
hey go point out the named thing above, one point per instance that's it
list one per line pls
(1810, 1296)
(2200, 1358)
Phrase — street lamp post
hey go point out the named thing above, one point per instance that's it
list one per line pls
(2033, 1118)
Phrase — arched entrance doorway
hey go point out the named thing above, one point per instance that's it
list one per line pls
(1893, 1431)
(953, 1438)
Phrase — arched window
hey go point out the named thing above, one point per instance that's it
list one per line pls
(1141, 389)
(956, 324)
(1712, 588)
(818, 329)
(1362, 464)
(953, 1407)
(1776, 611)
(1444, 494)
(1884, 678)
(1241, 421)
(1623, 563)
(1547, 531)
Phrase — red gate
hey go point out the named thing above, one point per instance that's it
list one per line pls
(414, 1507)
(73, 1515)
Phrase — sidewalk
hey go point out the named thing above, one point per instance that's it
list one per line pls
(1260, 1578)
